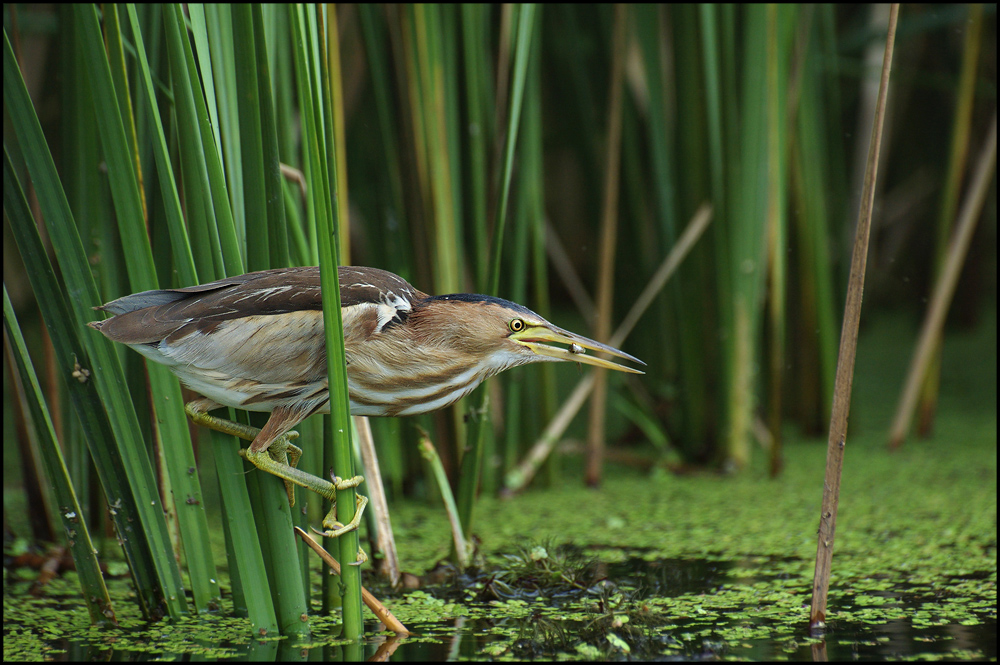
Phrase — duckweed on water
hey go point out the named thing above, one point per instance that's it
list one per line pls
(656, 565)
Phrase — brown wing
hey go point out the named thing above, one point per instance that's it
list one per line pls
(360, 285)
(151, 316)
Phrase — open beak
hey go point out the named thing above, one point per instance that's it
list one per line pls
(533, 337)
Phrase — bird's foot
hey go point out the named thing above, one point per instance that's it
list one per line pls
(346, 484)
(335, 529)
(284, 454)
(276, 463)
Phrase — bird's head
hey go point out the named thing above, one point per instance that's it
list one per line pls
(507, 334)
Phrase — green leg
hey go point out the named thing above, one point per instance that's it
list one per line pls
(280, 459)
(281, 452)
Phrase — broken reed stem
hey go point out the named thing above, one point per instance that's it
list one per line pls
(380, 610)
(848, 350)
(429, 452)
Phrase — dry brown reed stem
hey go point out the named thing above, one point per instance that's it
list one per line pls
(389, 565)
(848, 350)
(380, 610)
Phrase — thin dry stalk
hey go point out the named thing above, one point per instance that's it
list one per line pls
(380, 610)
(389, 564)
(848, 350)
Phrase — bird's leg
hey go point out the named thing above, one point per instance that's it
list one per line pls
(282, 451)
(271, 450)
(198, 409)
(271, 440)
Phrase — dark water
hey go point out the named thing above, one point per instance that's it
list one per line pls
(568, 606)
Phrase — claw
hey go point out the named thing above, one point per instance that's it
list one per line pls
(335, 529)
(342, 484)
(361, 557)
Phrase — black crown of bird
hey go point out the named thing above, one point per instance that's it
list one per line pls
(256, 342)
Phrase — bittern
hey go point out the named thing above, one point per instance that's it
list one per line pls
(256, 342)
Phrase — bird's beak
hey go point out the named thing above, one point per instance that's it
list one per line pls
(534, 336)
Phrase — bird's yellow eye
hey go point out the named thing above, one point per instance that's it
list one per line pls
(516, 325)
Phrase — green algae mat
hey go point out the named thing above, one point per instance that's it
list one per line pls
(659, 566)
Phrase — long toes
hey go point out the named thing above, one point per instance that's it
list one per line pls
(335, 532)
(344, 484)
